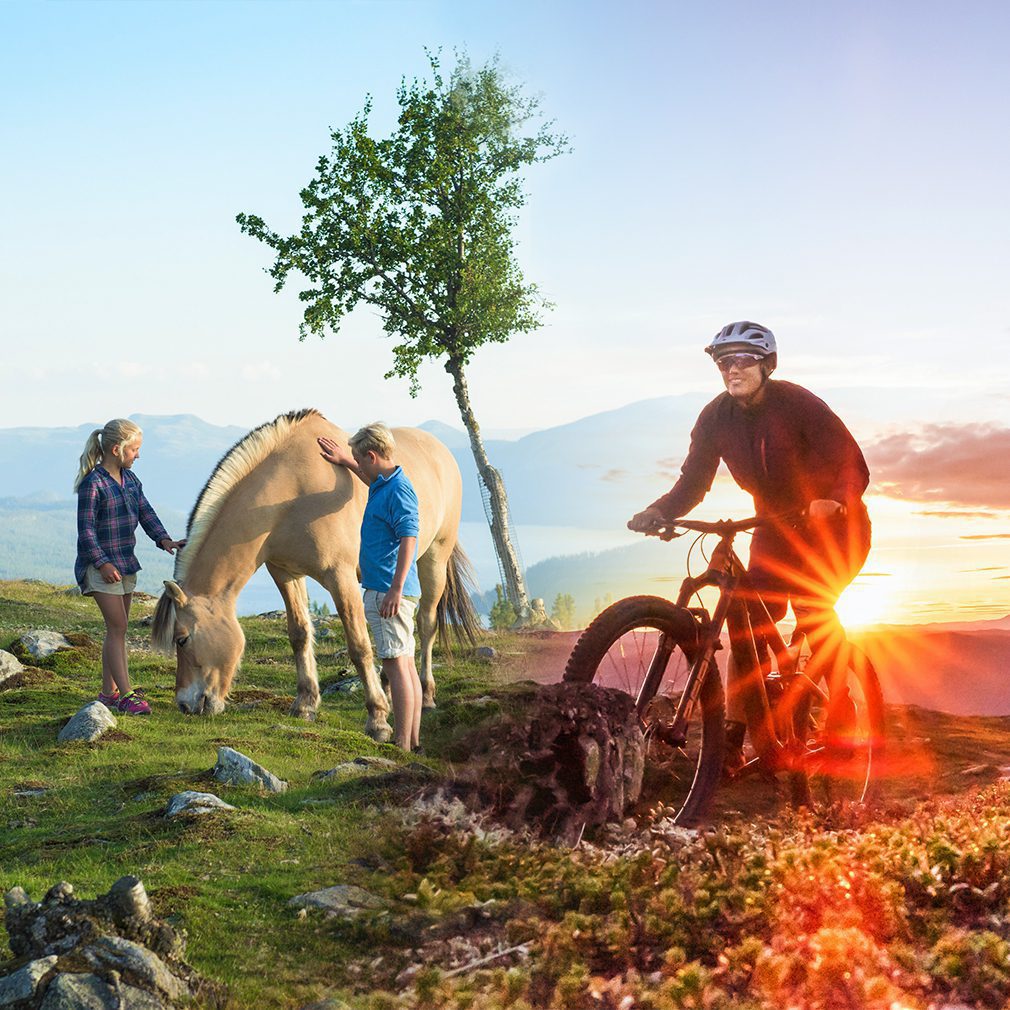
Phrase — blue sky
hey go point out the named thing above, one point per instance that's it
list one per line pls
(835, 171)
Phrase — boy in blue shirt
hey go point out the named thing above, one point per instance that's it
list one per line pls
(388, 563)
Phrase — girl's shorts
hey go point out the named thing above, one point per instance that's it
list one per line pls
(94, 583)
(394, 636)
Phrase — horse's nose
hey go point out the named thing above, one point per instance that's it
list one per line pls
(192, 706)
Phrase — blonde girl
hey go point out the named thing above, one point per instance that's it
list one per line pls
(110, 504)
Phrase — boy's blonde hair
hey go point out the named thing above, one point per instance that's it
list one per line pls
(119, 431)
(375, 437)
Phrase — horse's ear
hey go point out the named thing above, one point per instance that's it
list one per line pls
(176, 592)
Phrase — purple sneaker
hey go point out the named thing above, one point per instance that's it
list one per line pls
(110, 701)
(133, 704)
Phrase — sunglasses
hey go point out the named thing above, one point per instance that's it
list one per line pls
(727, 361)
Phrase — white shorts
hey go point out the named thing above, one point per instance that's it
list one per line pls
(94, 583)
(394, 636)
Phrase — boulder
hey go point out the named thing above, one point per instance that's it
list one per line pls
(9, 666)
(39, 644)
(236, 769)
(89, 723)
(342, 899)
(136, 960)
(191, 802)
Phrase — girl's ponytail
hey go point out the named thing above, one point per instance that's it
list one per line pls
(90, 458)
(119, 432)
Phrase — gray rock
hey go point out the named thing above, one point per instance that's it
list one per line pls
(346, 685)
(79, 992)
(236, 769)
(21, 985)
(128, 900)
(341, 899)
(191, 802)
(40, 644)
(9, 666)
(359, 766)
(132, 998)
(135, 961)
(89, 723)
(16, 897)
(486, 652)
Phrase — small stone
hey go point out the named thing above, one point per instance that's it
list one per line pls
(192, 802)
(486, 652)
(235, 768)
(358, 766)
(9, 666)
(88, 724)
(40, 644)
(16, 897)
(341, 899)
(73, 991)
(129, 900)
(21, 984)
(346, 685)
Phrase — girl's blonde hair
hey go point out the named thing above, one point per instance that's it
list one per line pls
(374, 437)
(118, 431)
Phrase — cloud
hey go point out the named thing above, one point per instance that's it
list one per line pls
(957, 464)
(990, 568)
(956, 514)
(614, 475)
(669, 467)
(985, 536)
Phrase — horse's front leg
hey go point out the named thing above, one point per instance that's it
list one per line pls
(302, 638)
(347, 598)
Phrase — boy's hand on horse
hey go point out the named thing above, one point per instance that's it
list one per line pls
(334, 453)
(171, 545)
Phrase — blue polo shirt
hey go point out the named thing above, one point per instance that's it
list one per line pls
(390, 515)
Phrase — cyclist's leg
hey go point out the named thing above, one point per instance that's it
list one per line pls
(837, 551)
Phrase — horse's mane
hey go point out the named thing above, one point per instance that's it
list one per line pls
(247, 453)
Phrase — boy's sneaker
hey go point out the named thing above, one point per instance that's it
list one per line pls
(133, 704)
(110, 701)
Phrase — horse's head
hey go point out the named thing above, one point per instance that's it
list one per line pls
(207, 641)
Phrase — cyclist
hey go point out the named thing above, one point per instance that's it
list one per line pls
(787, 448)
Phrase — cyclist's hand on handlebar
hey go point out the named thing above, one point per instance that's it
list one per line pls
(825, 508)
(652, 523)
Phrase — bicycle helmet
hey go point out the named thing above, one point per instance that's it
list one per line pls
(743, 336)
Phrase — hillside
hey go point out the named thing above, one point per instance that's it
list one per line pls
(903, 904)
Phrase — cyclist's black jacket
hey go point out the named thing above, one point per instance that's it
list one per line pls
(787, 451)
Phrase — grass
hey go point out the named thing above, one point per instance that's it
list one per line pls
(904, 905)
(90, 813)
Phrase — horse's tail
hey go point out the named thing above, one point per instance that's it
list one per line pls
(456, 608)
(163, 625)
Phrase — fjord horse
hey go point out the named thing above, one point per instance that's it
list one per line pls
(273, 500)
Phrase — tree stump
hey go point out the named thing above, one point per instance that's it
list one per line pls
(572, 759)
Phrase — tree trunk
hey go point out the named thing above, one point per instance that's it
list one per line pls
(515, 584)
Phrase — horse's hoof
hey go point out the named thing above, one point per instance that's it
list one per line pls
(379, 732)
(428, 703)
(301, 710)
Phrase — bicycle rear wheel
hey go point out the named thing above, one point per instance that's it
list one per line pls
(840, 767)
(617, 650)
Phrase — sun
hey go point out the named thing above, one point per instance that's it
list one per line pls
(866, 602)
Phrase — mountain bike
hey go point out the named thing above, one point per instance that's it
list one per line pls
(664, 655)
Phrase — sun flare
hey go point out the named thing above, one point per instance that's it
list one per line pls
(866, 602)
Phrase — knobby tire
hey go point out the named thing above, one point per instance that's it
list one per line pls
(616, 649)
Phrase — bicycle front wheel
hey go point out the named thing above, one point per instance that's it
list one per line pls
(618, 650)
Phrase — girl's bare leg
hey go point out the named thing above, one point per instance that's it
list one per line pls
(115, 610)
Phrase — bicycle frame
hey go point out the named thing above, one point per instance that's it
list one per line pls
(727, 573)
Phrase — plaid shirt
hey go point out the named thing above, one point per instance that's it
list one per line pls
(107, 516)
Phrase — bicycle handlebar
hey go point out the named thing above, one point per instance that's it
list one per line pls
(666, 529)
